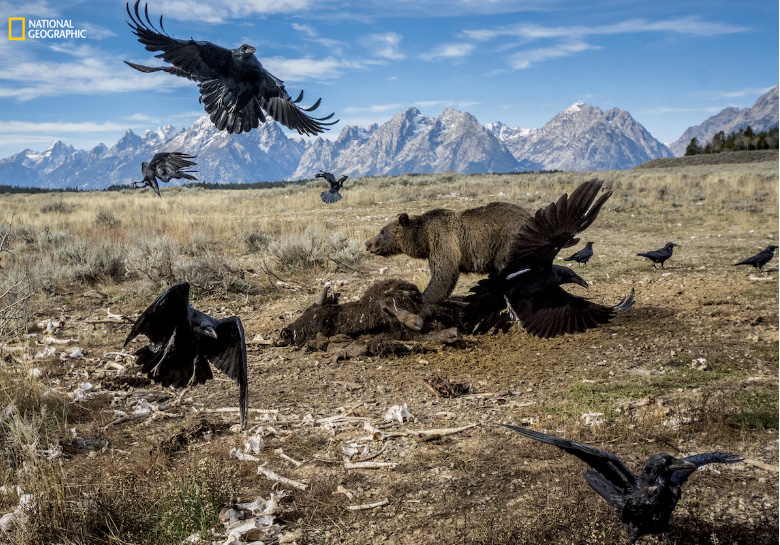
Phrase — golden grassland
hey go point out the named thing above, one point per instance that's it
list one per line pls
(249, 248)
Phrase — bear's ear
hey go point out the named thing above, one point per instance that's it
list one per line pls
(403, 220)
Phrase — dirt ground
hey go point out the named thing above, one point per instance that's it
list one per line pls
(692, 367)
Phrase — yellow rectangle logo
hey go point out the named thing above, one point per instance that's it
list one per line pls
(11, 28)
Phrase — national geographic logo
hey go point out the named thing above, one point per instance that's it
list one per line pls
(21, 28)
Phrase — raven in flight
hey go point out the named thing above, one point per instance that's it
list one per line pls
(182, 342)
(760, 259)
(234, 86)
(331, 195)
(583, 256)
(166, 165)
(659, 256)
(530, 285)
(644, 503)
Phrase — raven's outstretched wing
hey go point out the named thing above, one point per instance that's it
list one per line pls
(199, 61)
(163, 316)
(554, 226)
(681, 475)
(228, 354)
(327, 176)
(169, 165)
(606, 463)
(554, 311)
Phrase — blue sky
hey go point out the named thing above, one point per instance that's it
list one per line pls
(671, 64)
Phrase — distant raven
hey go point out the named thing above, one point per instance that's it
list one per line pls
(644, 503)
(760, 259)
(659, 256)
(583, 256)
(530, 285)
(166, 166)
(234, 86)
(331, 195)
(182, 342)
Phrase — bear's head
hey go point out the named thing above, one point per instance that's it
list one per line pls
(389, 240)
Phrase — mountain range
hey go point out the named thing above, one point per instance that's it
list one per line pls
(581, 137)
(762, 116)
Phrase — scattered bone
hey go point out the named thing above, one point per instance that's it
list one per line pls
(14, 349)
(36, 373)
(369, 465)
(593, 419)
(49, 339)
(253, 444)
(282, 480)
(398, 412)
(762, 465)
(49, 325)
(114, 366)
(367, 505)
(700, 364)
(244, 457)
(47, 352)
(280, 453)
(441, 432)
(80, 393)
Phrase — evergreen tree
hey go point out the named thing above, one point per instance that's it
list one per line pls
(693, 147)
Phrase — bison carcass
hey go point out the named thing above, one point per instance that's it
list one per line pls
(390, 306)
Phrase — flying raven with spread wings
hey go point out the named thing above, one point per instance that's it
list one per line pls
(643, 503)
(332, 194)
(235, 89)
(529, 285)
(183, 340)
(166, 166)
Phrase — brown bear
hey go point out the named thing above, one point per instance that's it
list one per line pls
(475, 241)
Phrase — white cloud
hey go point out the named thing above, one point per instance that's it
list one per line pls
(683, 25)
(306, 69)
(524, 59)
(217, 12)
(461, 104)
(384, 45)
(449, 51)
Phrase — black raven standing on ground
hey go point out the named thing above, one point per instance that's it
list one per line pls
(165, 166)
(234, 86)
(530, 285)
(644, 503)
(583, 256)
(659, 256)
(182, 342)
(332, 194)
(760, 259)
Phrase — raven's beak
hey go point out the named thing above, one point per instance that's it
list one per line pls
(251, 49)
(682, 464)
(210, 332)
(579, 280)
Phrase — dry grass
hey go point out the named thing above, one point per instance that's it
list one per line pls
(241, 248)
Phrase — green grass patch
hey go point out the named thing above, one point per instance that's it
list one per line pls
(602, 397)
(756, 409)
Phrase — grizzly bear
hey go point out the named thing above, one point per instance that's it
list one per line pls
(475, 240)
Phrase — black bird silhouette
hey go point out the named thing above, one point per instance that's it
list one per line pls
(659, 256)
(182, 342)
(760, 259)
(583, 256)
(530, 285)
(234, 86)
(332, 194)
(165, 166)
(643, 503)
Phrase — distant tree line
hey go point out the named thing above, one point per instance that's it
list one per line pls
(741, 140)
(12, 189)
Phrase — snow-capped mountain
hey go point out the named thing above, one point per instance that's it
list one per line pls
(762, 116)
(584, 138)
(579, 138)
(410, 142)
